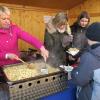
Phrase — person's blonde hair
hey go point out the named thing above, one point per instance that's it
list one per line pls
(4, 9)
(60, 18)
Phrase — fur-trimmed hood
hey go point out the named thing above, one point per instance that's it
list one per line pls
(50, 27)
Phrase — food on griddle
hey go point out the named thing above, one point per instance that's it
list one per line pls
(19, 72)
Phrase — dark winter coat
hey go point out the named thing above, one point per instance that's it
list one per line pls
(79, 38)
(87, 74)
(56, 43)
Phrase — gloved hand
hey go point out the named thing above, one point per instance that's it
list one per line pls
(11, 56)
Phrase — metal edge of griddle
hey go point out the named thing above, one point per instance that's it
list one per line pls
(27, 79)
(33, 78)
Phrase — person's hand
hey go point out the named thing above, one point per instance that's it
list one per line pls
(78, 60)
(11, 56)
(44, 53)
(71, 58)
(66, 40)
(71, 37)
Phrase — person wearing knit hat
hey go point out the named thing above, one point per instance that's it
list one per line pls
(93, 32)
(87, 74)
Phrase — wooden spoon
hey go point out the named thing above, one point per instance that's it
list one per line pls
(28, 65)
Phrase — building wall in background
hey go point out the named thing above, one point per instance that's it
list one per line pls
(30, 19)
(91, 6)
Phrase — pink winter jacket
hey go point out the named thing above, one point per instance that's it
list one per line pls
(9, 42)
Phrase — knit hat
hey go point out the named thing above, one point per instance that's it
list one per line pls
(93, 32)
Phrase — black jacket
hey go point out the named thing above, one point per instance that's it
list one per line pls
(79, 38)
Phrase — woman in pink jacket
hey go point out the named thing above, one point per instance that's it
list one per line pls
(9, 35)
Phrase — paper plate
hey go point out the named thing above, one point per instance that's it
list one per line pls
(66, 68)
(73, 51)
